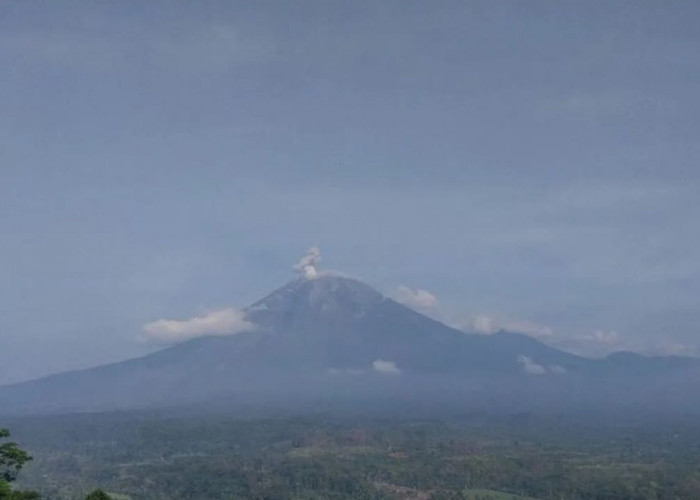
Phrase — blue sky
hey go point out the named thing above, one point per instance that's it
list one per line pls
(532, 165)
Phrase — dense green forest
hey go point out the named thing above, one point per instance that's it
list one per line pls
(138, 456)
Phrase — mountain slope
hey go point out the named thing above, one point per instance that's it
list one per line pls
(313, 336)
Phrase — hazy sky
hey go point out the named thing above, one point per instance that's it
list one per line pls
(533, 165)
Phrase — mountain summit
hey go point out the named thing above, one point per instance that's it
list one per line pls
(318, 299)
(321, 330)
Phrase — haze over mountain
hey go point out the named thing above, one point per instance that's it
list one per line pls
(327, 337)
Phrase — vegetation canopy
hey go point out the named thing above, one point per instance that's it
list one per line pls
(12, 459)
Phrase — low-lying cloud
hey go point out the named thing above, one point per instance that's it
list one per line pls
(603, 337)
(383, 366)
(227, 321)
(415, 298)
(488, 325)
(530, 367)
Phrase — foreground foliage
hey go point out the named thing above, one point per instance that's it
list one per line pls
(12, 459)
(519, 457)
(97, 495)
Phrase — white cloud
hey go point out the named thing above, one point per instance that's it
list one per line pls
(418, 299)
(595, 343)
(383, 366)
(603, 338)
(484, 324)
(557, 369)
(488, 325)
(306, 267)
(530, 367)
(661, 346)
(227, 321)
(668, 347)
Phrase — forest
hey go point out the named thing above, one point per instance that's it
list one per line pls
(156, 457)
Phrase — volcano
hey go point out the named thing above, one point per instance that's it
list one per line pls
(328, 337)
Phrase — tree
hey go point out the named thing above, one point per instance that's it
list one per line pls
(12, 459)
(98, 495)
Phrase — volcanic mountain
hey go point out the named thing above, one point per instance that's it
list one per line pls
(330, 337)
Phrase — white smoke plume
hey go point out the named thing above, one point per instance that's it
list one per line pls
(306, 267)
(530, 367)
(227, 321)
(420, 300)
(383, 366)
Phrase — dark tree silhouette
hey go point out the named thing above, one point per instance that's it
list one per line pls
(98, 495)
(12, 459)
